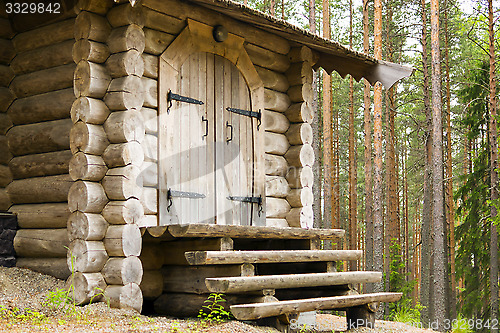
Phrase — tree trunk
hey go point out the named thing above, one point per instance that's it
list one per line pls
(378, 231)
(439, 260)
(493, 171)
(368, 154)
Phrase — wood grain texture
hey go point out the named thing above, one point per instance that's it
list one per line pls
(46, 57)
(38, 216)
(39, 165)
(41, 243)
(43, 81)
(44, 36)
(40, 189)
(56, 267)
(87, 197)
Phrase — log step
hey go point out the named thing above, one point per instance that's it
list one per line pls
(263, 310)
(231, 285)
(260, 257)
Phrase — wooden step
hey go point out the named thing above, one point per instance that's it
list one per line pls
(272, 309)
(241, 284)
(240, 231)
(260, 257)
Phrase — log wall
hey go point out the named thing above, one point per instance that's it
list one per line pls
(108, 142)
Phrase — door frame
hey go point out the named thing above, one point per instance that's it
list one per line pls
(198, 37)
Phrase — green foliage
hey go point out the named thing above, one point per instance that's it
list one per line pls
(213, 310)
(403, 312)
(460, 325)
(22, 316)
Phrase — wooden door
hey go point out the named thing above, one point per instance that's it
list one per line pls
(210, 162)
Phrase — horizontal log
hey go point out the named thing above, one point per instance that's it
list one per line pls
(301, 93)
(241, 284)
(299, 134)
(149, 200)
(124, 297)
(43, 81)
(274, 256)
(91, 80)
(125, 63)
(130, 37)
(5, 201)
(124, 126)
(125, 93)
(88, 50)
(300, 113)
(152, 257)
(175, 251)
(275, 143)
(275, 165)
(89, 110)
(41, 243)
(123, 183)
(150, 117)
(273, 80)
(7, 52)
(188, 305)
(252, 35)
(5, 176)
(150, 65)
(92, 27)
(159, 20)
(44, 36)
(44, 107)
(122, 154)
(6, 98)
(267, 59)
(275, 122)
(174, 277)
(123, 240)
(37, 165)
(276, 223)
(148, 221)
(6, 75)
(276, 101)
(300, 197)
(300, 177)
(87, 167)
(123, 212)
(151, 284)
(46, 57)
(277, 186)
(125, 14)
(40, 189)
(276, 207)
(56, 267)
(98, 7)
(88, 138)
(86, 226)
(149, 174)
(150, 91)
(86, 256)
(300, 217)
(39, 138)
(5, 154)
(87, 197)
(157, 41)
(300, 73)
(263, 310)
(300, 54)
(88, 287)
(5, 123)
(38, 216)
(300, 156)
(121, 271)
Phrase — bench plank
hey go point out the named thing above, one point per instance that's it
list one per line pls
(259, 257)
(252, 283)
(264, 310)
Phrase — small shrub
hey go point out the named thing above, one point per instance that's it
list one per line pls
(460, 325)
(213, 310)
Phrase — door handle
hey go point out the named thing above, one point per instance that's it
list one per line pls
(231, 131)
(203, 119)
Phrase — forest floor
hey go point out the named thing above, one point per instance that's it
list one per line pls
(24, 308)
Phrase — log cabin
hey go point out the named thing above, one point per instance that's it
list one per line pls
(160, 151)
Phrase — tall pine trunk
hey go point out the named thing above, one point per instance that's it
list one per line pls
(439, 259)
(493, 171)
(378, 226)
(425, 261)
(368, 154)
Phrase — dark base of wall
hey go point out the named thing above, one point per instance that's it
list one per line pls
(8, 229)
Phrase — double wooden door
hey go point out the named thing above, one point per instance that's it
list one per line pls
(210, 146)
